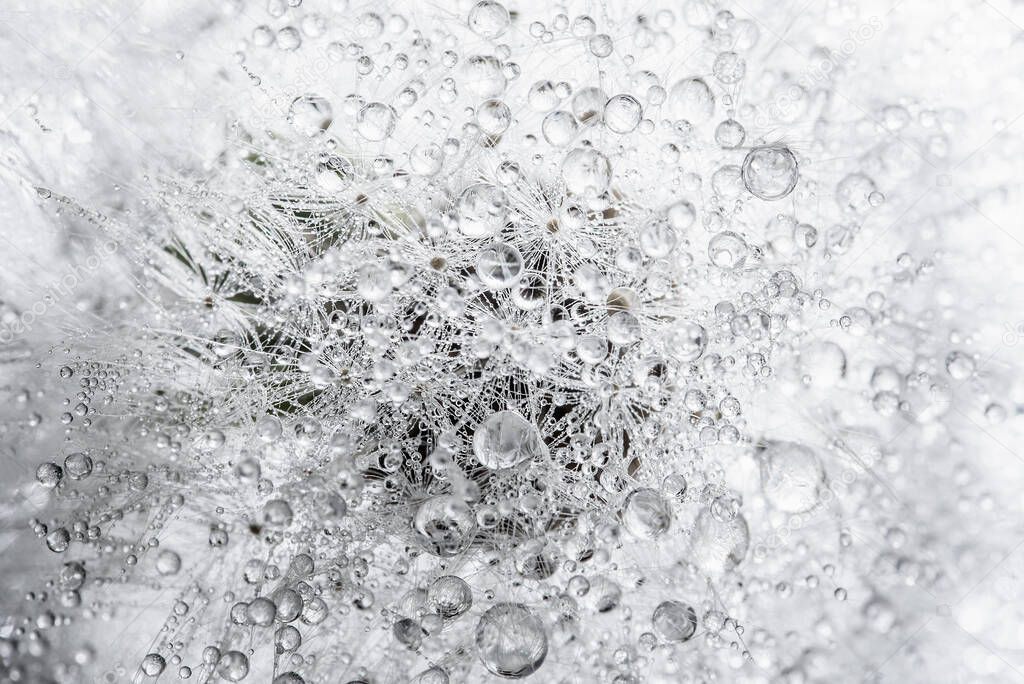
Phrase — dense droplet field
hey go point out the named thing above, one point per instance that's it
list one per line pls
(469, 341)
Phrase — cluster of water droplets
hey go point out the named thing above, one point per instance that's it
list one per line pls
(509, 346)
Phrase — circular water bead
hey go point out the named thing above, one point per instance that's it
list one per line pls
(311, 114)
(729, 68)
(681, 215)
(277, 513)
(543, 96)
(445, 525)
(646, 514)
(511, 641)
(583, 26)
(426, 159)
(586, 172)
(59, 540)
(168, 563)
(333, 173)
(493, 117)
(622, 114)
(853, 193)
(689, 341)
(489, 19)
(601, 45)
(233, 666)
(288, 604)
(288, 638)
(559, 128)
(727, 182)
(499, 265)
(263, 36)
(604, 594)
(770, 172)
(153, 665)
(269, 429)
(674, 621)
(588, 105)
(791, 476)
(449, 596)
(49, 475)
(623, 328)
(289, 38)
(591, 348)
(482, 209)
(823, 363)
(376, 121)
(690, 100)
(959, 365)
(730, 134)
(728, 250)
(261, 611)
(508, 173)
(530, 292)
(657, 239)
(301, 565)
(716, 545)
(78, 466)
(505, 439)
(482, 76)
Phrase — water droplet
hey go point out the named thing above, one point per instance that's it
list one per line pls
(505, 439)
(511, 641)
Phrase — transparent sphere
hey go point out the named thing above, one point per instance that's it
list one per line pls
(588, 105)
(493, 117)
(729, 68)
(511, 641)
(730, 134)
(559, 128)
(426, 159)
(622, 114)
(311, 114)
(690, 100)
(728, 250)
(482, 76)
(770, 172)
(445, 525)
(489, 19)
(674, 621)
(499, 265)
(233, 666)
(646, 514)
(376, 121)
(153, 665)
(853, 193)
(449, 596)
(505, 439)
(586, 172)
(482, 210)
(689, 341)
